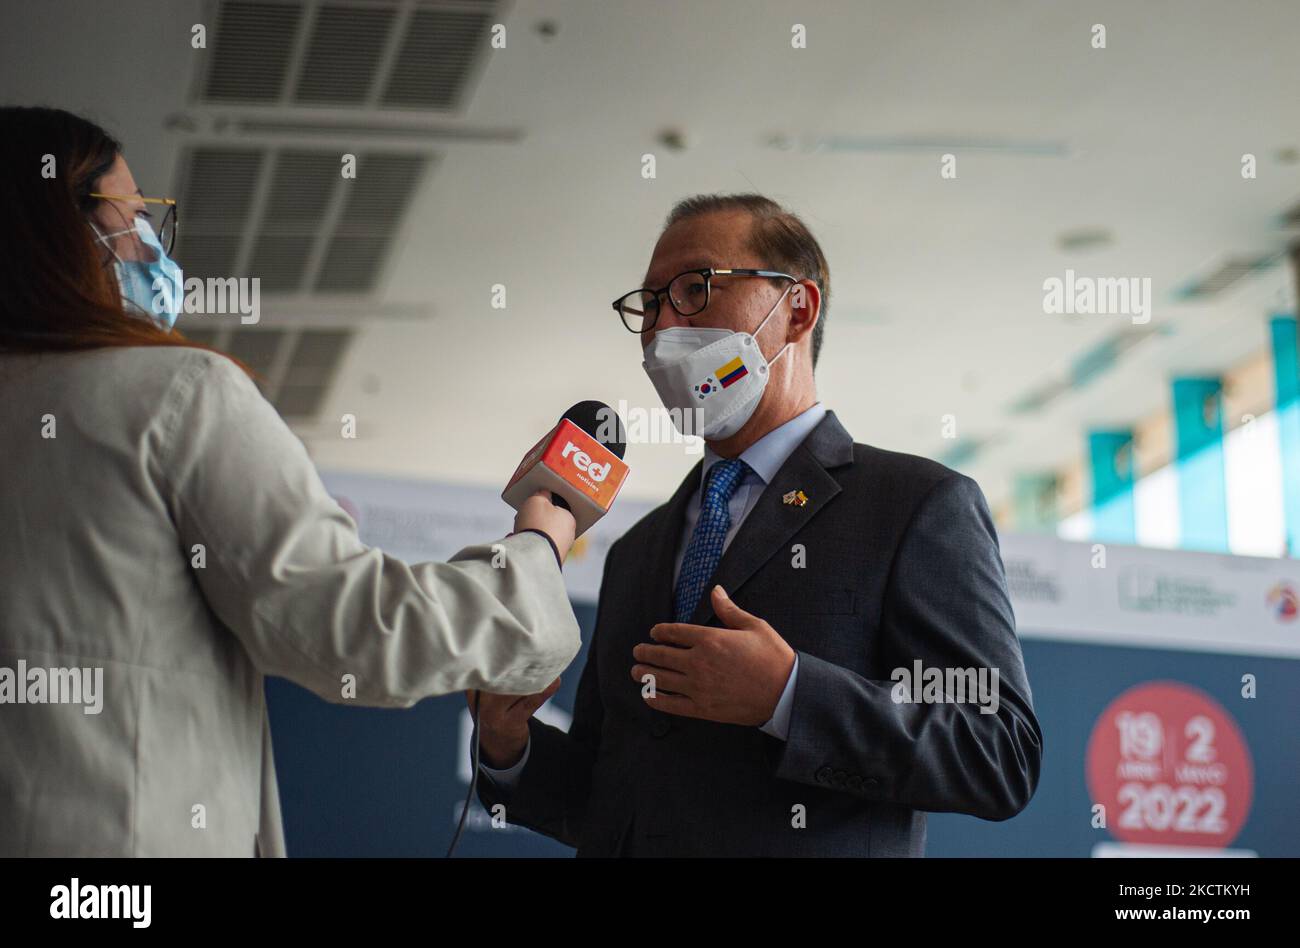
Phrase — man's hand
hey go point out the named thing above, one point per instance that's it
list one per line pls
(733, 675)
(503, 723)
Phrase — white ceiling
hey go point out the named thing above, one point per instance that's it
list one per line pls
(937, 284)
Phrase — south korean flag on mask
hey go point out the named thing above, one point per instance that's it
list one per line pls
(706, 388)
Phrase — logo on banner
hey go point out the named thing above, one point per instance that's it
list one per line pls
(1284, 602)
(1171, 767)
(1028, 582)
(1142, 590)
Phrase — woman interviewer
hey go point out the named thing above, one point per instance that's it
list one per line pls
(162, 527)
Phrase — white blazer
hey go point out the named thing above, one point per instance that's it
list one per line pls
(159, 523)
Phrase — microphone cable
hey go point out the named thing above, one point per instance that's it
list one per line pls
(589, 416)
(473, 778)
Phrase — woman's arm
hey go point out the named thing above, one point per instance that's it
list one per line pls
(287, 573)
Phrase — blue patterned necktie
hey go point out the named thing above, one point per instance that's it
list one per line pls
(705, 547)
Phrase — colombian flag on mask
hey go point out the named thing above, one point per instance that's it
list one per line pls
(733, 371)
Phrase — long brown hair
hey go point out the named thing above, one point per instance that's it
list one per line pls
(57, 295)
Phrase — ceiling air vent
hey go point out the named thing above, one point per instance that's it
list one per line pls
(363, 235)
(346, 46)
(302, 184)
(295, 367)
(1039, 398)
(394, 54)
(1227, 274)
(251, 51)
(288, 216)
(962, 453)
(1085, 369)
(216, 189)
(436, 58)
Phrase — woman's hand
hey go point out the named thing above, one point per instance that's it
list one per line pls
(538, 513)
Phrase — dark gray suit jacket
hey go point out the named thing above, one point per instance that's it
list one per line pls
(902, 564)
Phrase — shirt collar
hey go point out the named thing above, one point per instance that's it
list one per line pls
(766, 455)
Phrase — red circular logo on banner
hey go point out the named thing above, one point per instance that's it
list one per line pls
(1171, 767)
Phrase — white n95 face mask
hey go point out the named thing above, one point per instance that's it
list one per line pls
(714, 375)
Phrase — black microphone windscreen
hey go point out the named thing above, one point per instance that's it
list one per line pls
(601, 422)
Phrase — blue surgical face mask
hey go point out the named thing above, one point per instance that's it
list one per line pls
(155, 286)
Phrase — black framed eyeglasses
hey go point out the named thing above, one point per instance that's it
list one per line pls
(688, 294)
(166, 230)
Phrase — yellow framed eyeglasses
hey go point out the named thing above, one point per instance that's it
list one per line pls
(167, 230)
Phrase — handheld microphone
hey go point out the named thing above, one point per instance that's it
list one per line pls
(580, 461)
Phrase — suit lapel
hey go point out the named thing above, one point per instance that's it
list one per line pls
(772, 523)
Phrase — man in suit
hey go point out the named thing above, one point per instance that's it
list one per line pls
(746, 689)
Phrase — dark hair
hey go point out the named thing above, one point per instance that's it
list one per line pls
(778, 236)
(58, 295)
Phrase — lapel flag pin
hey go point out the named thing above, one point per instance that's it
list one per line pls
(796, 498)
